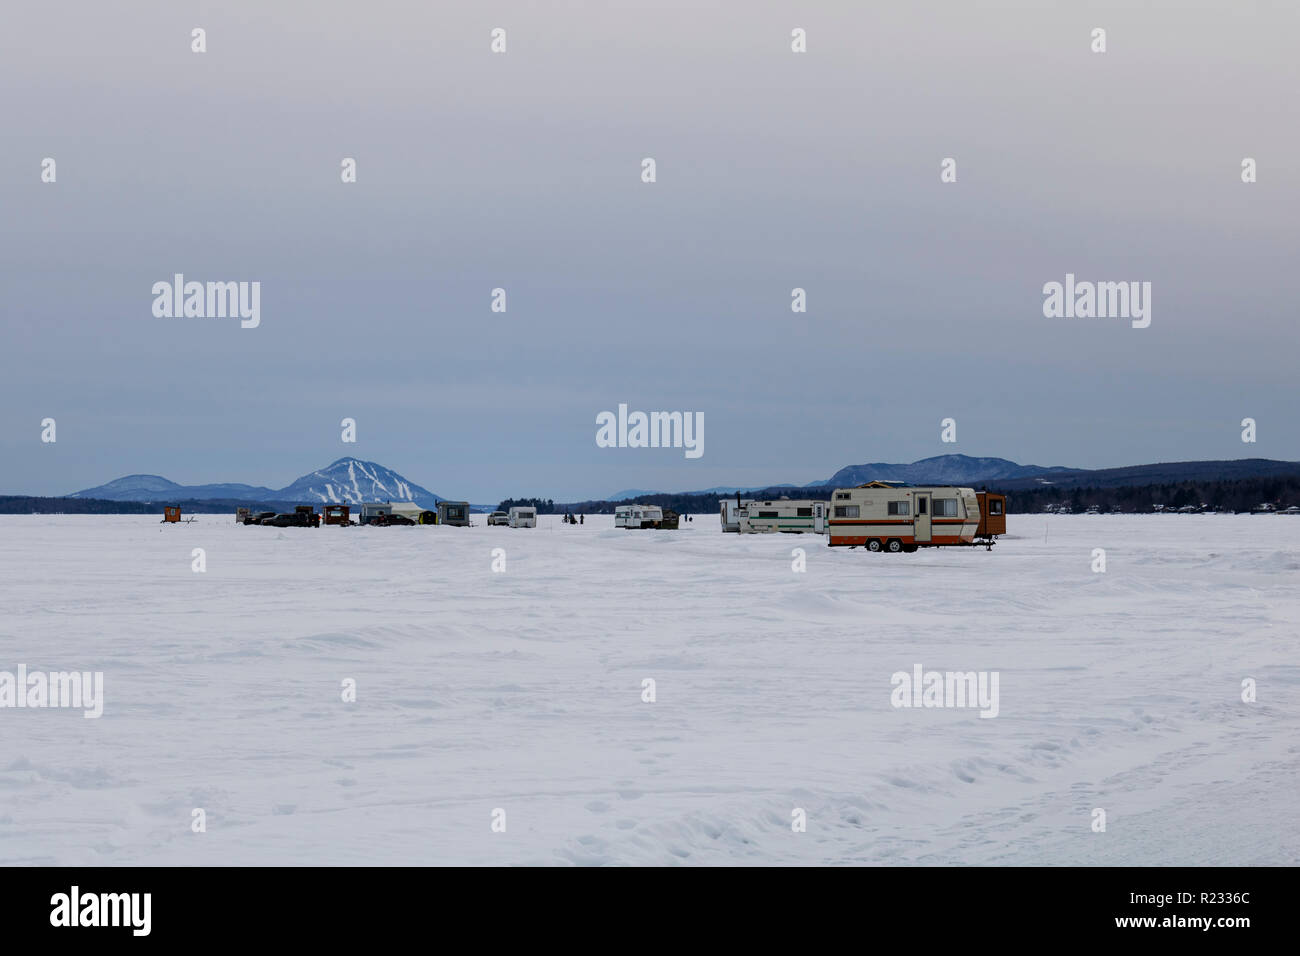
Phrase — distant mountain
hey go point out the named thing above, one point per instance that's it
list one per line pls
(733, 489)
(940, 470)
(346, 481)
(1008, 475)
(131, 488)
(1169, 472)
(627, 493)
(156, 488)
(717, 490)
(352, 481)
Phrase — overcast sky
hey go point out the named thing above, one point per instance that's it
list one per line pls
(523, 171)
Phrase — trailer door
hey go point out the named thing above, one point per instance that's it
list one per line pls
(921, 523)
(819, 517)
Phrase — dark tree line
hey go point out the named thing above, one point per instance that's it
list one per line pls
(1239, 495)
(27, 504)
(544, 506)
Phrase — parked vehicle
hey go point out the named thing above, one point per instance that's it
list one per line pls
(883, 517)
(388, 520)
(523, 517)
(781, 515)
(258, 517)
(498, 518)
(304, 516)
(637, 516)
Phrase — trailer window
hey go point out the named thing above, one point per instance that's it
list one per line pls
(769, 514)
(804, 512)
(995, 507)
(921, 506)
(843, 496)
(900, 508)
(846, 511)
(945, 507)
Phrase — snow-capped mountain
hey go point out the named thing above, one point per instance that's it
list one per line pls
(351, 481)
(346, 481)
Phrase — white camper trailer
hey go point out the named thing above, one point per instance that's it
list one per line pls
(728, 509)
(637, 516)
(884, 518)
(792, 516)
(523, 517)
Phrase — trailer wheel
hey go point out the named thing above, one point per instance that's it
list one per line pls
(893, 546)
(874, 544)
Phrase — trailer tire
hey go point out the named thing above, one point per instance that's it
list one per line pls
(893, 546)
(910, 548)
(873, 544)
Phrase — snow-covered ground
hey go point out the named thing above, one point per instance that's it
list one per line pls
(522, 690)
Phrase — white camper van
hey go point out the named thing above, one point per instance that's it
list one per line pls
(637, 516)
(793, 516)
(523, 517)
(883, 518)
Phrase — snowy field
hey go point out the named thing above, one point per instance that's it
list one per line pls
(522, 690)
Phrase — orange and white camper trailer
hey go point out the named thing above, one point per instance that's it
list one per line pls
(881, 516)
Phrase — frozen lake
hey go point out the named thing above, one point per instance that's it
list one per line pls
(522, 690)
